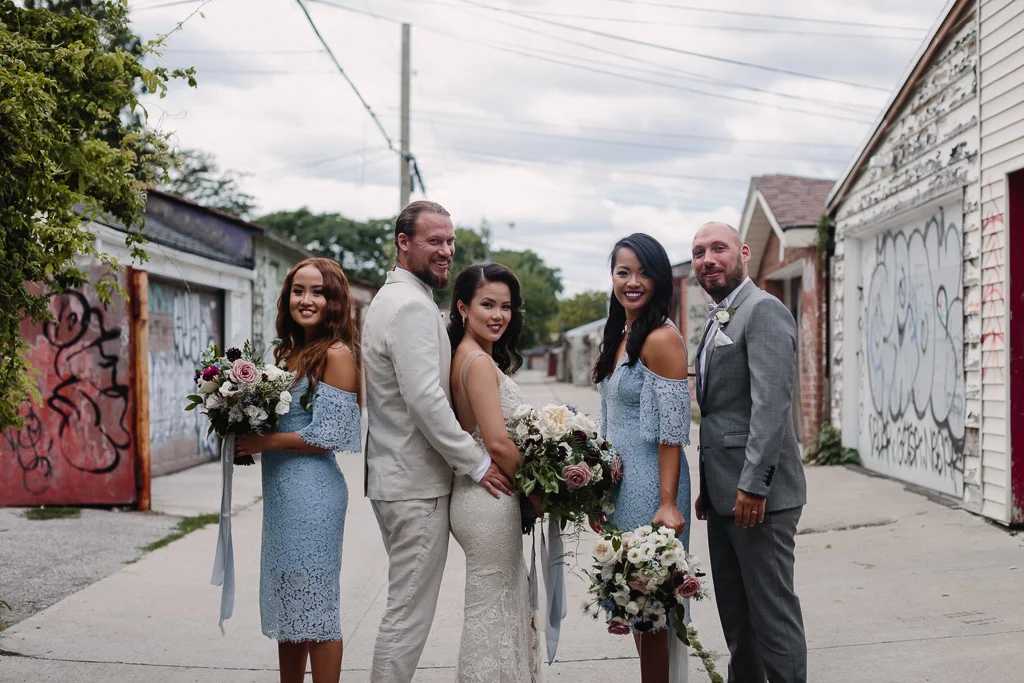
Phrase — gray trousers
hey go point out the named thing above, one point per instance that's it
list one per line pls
(760, 611)
(415, 534)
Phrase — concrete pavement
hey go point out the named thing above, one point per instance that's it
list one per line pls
(895, 587)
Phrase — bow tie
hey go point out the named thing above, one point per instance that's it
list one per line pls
(716, 307)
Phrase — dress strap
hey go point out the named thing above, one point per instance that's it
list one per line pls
(461, 397)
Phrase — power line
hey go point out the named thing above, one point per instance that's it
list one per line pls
(829, 103)
(758, 15)
(666, 148)
(214, 51)
(669, 48)
(366, 105)
(720, 27)
(166, 4)
(520, 52)
(628, 131)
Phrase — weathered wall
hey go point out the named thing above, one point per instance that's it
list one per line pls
(183, 321)
(906, 288)
(77, 446)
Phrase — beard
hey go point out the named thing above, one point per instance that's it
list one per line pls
(424, 272)
(731, 280)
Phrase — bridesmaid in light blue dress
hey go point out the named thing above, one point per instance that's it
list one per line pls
(645, 414)
(304, 492)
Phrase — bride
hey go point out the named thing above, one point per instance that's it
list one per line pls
(499, 641)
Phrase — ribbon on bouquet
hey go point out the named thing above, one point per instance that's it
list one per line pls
(224, 559)
(551, 557)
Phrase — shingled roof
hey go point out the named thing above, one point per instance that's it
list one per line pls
(796, 202)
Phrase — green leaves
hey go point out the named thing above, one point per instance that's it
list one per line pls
(65, 155)
(828, 449)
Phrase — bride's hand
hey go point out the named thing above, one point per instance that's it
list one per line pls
(669, 515)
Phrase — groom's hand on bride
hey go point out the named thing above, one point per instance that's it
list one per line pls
(698, 509)
(495, 481)
(749, 509)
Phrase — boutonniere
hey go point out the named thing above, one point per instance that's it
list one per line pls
(723, 317)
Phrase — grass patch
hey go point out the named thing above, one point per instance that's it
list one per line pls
(705, 656)
(185, 526)
(44, 513)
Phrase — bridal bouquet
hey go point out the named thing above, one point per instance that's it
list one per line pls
(642, 579)
(239, 393)
(565, 462)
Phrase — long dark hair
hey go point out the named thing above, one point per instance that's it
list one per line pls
(655, 264)
(308, 357)
(506, 350)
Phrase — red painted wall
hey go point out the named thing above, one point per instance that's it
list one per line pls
(1015, 210)
(77, 446)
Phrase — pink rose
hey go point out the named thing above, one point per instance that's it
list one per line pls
(616, 469)
(576, 476)
(688, 588)
(244, 372)
(618, 626)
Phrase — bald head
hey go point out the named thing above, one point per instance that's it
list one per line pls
(720, 230)
(719, 259)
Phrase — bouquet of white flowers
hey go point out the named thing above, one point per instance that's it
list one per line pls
(641, 581)
(239, 393)
(566, 462)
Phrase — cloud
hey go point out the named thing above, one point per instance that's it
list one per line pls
(575, 159)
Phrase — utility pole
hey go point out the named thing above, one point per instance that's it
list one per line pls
(404, 170)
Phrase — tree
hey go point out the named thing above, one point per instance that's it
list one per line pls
(360, 248)
(581, 309)
(196, 176)
(61, 87)
(541, 286)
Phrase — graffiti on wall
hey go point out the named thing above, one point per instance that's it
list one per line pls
(76, 444)
(914, 350)
(182, 323)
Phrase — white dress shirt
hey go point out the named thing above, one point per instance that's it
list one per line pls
(722, 305)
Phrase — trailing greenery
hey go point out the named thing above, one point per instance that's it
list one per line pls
(44, 513)
(185, 526)
(828, 449)
(71, 150)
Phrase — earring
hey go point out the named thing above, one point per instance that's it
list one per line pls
(463, 321)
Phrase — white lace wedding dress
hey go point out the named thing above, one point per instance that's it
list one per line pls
(499, 641)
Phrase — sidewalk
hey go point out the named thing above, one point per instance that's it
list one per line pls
(895, 587)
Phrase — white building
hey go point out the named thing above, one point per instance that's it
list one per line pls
(925, 357)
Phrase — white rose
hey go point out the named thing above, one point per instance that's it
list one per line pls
(208, 387)
(582, 422)
(522, 430)
(632, 608)
(554, 421)
(273, 372)
(213, 401)
(604, 552)
(523, 411)
(282, 407)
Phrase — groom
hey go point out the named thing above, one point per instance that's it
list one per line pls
(414, 444)
(752, 487)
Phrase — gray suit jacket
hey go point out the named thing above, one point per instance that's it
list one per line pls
(747, 440)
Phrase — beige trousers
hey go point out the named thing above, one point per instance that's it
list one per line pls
(415, 536)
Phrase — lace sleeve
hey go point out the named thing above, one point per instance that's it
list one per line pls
(335, 425)
(665, 410)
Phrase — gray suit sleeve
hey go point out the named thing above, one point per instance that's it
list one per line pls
(771, 359)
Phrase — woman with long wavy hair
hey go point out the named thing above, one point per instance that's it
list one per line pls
(499, 641)
(304, 492)
(645, 412)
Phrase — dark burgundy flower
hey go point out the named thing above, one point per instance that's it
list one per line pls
(233, 354)
(211, 372)
(581, 435)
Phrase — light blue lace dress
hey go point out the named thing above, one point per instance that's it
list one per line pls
(639, 410)
(304, 503)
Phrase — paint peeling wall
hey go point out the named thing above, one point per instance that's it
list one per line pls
(907, 264)
(77, 446)
(1002, 152)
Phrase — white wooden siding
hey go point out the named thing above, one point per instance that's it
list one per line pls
(1001, 77)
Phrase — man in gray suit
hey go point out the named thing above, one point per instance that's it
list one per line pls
(752, 487)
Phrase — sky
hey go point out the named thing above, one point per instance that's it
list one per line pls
(551, 119)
